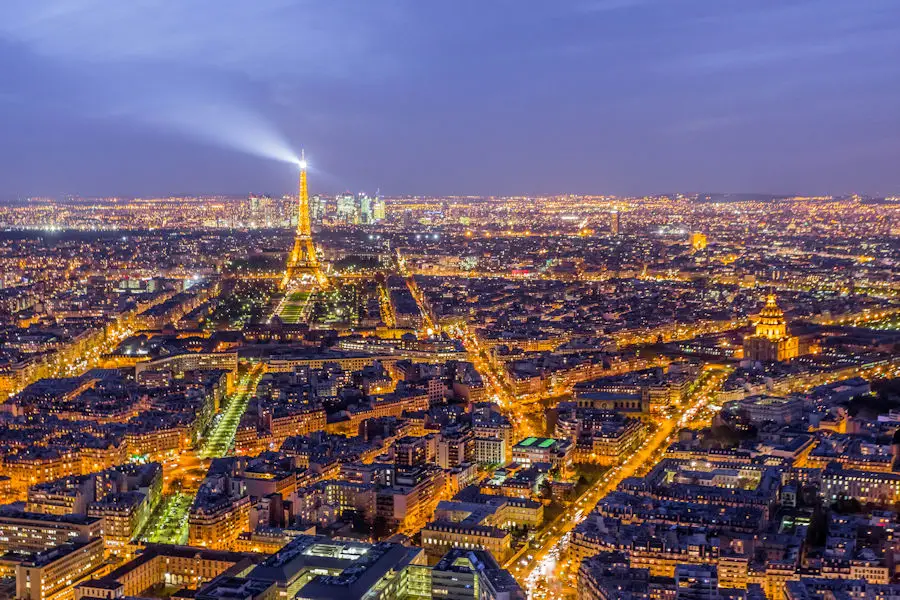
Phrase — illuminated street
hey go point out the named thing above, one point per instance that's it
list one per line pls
(168, 524)
(538, 568)
(221, 439)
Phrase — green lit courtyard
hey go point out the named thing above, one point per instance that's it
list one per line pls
(293, 309)
(169, 523)
(220, 439)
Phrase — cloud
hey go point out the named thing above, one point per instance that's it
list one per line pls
(259, 38)
(757, 55)
(598, 6)
(706, 124)
(764, 33)
(217, 71)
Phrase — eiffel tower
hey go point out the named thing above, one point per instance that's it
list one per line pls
(303, 263)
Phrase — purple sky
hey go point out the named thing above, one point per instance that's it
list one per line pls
(144, 97)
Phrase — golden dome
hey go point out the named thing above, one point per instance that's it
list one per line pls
(771, 309)
(771, 323)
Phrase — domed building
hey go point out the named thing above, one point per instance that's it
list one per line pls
(771, 341)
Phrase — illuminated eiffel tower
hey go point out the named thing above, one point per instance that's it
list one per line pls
(303, 264)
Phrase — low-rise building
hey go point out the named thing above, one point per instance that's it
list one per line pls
(534, 450)
(219, 514)
(53, 574)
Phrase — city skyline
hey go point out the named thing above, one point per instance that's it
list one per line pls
(450, 398)
(624, 97)
(533, 364)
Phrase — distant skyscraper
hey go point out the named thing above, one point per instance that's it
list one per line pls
(347, 210)
(267, 210)
(614, 222)
(378, 209)
(365, 209)
(285, 214)
(317, 207)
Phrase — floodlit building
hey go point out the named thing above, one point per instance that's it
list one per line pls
(771, 341)
(534, 450)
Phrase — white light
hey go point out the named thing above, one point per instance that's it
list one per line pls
(302, 164)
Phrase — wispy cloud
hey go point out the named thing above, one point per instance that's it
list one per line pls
(704, 124)
(262, 37)
(597, 6)
(211, 70)
(760, 55)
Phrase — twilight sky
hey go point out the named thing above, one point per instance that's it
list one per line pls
(144, 97)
